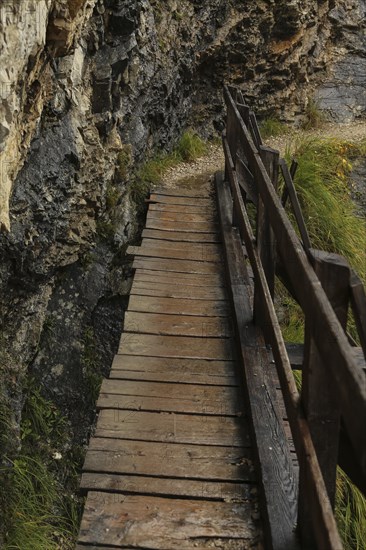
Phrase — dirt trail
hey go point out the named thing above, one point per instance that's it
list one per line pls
(199, 172)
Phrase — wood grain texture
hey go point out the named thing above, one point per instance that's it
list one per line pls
(176, 346)
(176, 266)
(181, 236)
(199, 253)
(172, 369)
(169, 460)
(178, 306)
(145, 485)
(173, 428)
(186, 279)
(177, 290)
(176, 524)
(177, 325)
(273, 456)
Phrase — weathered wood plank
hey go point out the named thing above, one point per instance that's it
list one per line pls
(154, 396)
(144, 485)
(169, 460)
(187, 201)
(207, 218)
(157, 523)
(177, 290)
(183, 192)
(179, 266)
(273, 456)
(163, 369)
(173, 428)
(199, 253)
(181, 236)
(176, 346)
(205, 248)
(177, 325)
(187, 279)
(183, 209)
(189, 227)
(179, 306)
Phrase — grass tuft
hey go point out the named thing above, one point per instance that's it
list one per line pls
(272, 127)
(322, 183)
(314, 117)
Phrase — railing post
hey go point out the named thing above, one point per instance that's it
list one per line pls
(318, 395)
(265, 237)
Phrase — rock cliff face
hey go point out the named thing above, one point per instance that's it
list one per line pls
(88, 89)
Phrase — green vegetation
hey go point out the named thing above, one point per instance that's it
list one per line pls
(272, 127)
(39, 511)
(315, 118)
(189, 148)
(322, 184)
(350, 513)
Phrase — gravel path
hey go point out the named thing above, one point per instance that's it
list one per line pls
(199, 173)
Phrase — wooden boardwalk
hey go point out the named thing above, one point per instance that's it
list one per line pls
(170, 465)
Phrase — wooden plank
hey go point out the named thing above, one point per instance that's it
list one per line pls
(173, 428)
(164, 523)
(189, 279)
(178, 266)
(203, 248)
(163, 369)
(186, 201)
(207, 218)
(189, 227)
(183, 209)
(183, 192)
(181, 236)
(279, 480)
(154, 345)
(154, 486)
(169, 290)
(335, 348)
(183, 251)
(154, 396)
(178, 306)
(177, 325)
(169, 460)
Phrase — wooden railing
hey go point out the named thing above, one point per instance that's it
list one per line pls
(328, 416)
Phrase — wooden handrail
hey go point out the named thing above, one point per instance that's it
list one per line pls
(325, 329)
